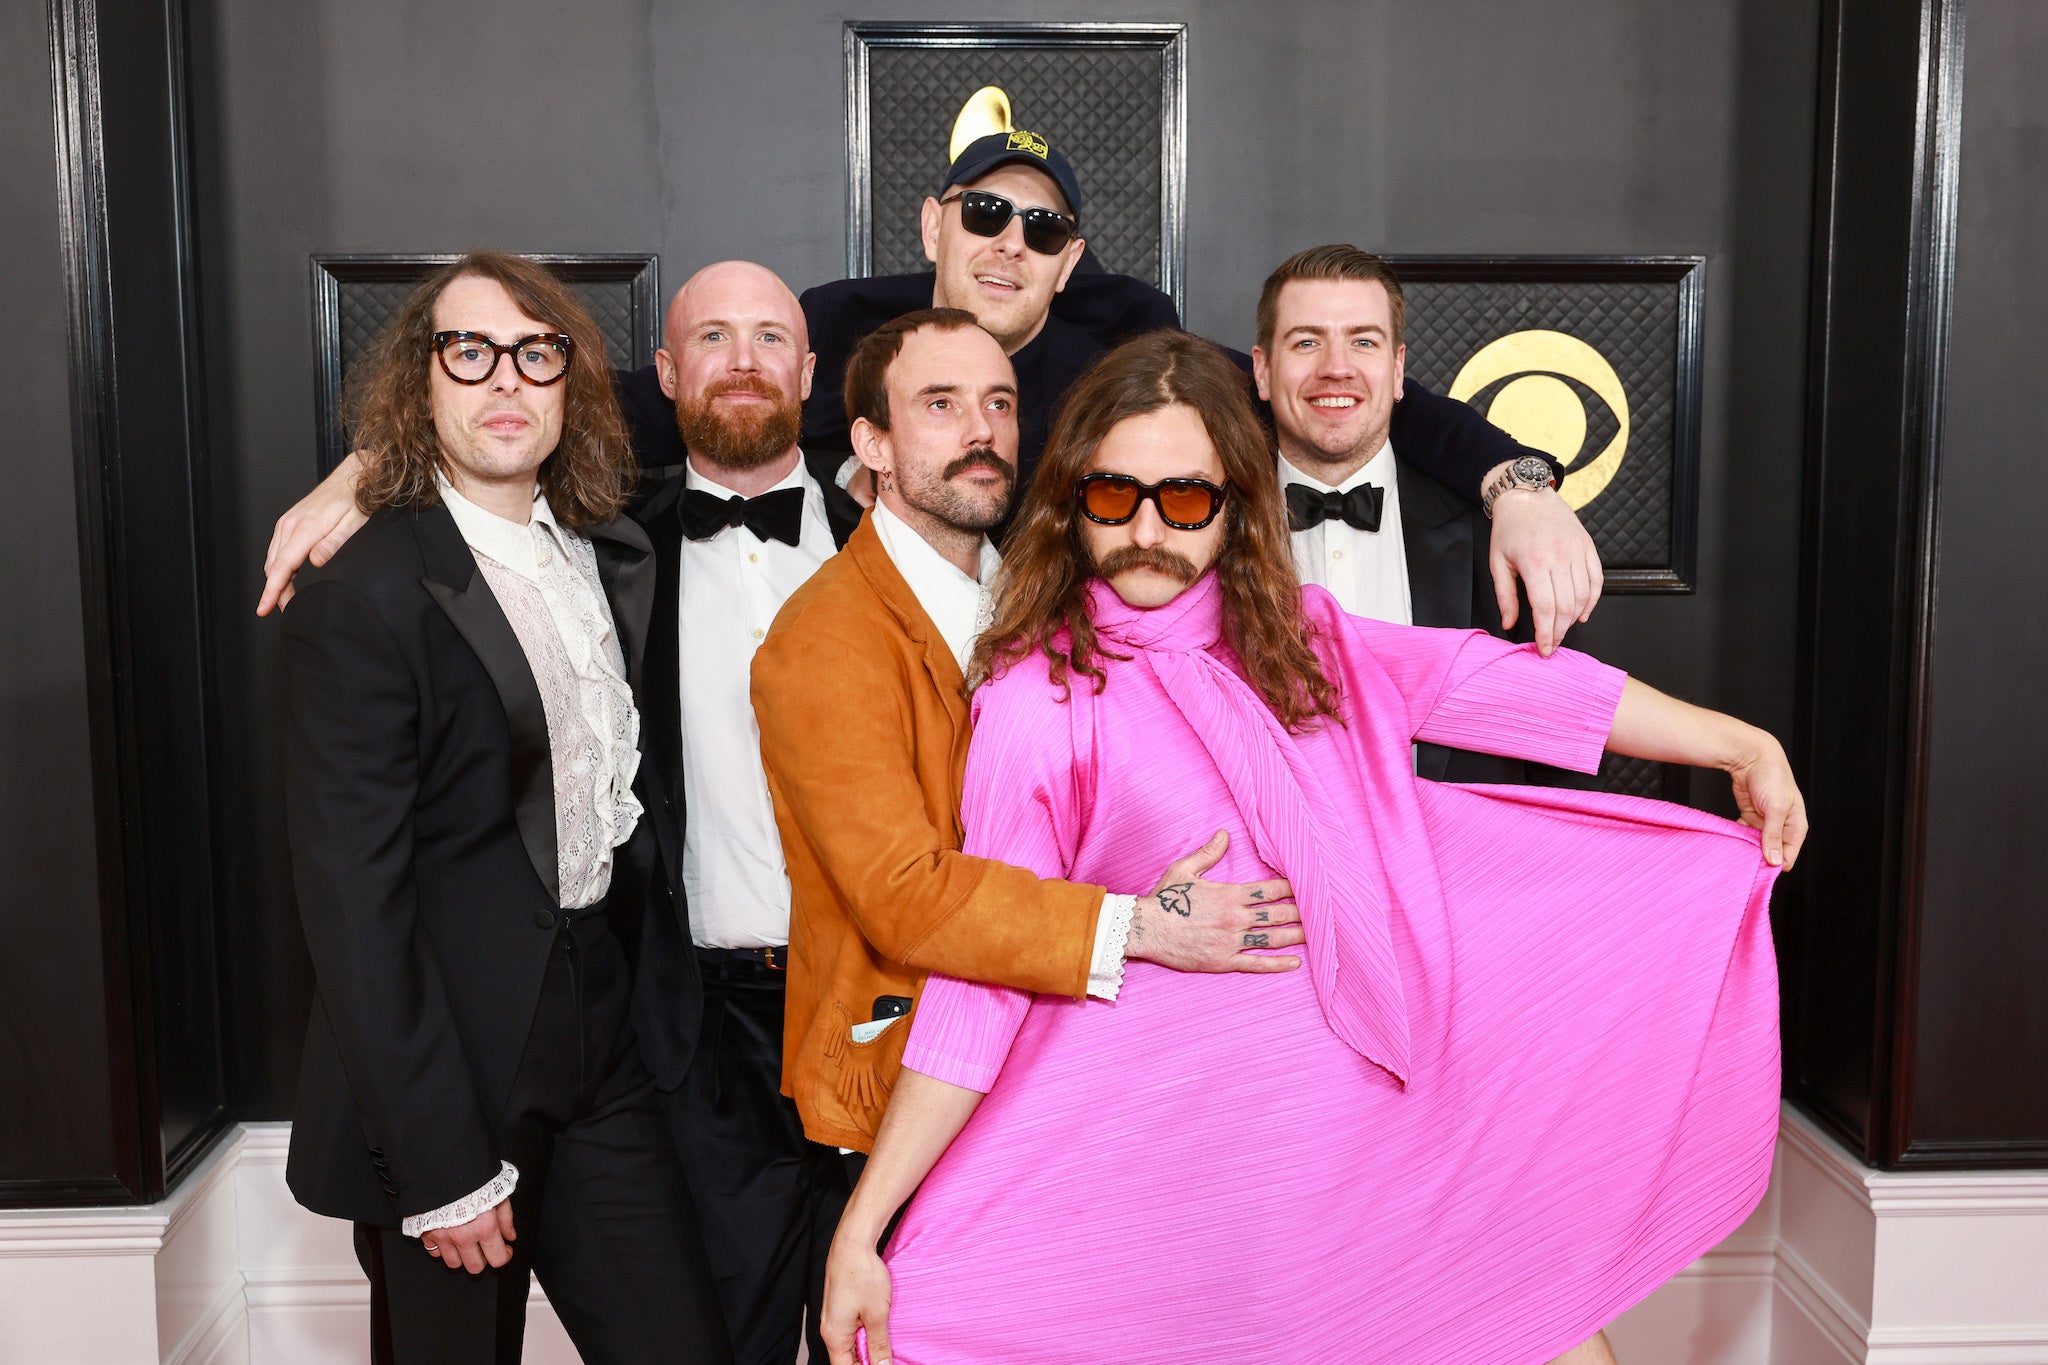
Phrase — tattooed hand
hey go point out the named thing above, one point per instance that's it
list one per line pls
(1192, 925)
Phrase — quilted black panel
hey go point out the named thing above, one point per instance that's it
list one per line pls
(365, 307)
(1642, 777)
(1099, 105)
(1634, 325)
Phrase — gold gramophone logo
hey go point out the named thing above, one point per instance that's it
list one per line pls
(988, 111)
(1540, 403)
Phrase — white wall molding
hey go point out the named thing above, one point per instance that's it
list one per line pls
(1803, 1290)
(221, 1335)
(1906, 1267)
(1839, 1265)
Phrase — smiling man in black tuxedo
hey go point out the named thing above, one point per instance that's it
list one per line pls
(1386, 539)
(468, 850)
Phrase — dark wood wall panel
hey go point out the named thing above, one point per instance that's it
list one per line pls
(1917, 1024)
(53, 1059)
(117, 81)
(1980, 1076)
(1861, 629)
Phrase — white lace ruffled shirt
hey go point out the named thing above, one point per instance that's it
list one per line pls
(545, 579)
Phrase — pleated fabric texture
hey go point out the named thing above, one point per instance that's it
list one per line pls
(1528, 1072)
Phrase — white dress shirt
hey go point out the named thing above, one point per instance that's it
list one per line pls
(545, 580)
(732, 585)
(962, 607)
(1366, 571)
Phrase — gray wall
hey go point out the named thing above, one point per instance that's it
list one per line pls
(53, 1063)
(703, 131)
(1983, 1004)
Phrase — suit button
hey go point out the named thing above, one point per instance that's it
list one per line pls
(544, 919)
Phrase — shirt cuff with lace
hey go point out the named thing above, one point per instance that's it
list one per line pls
(469, 1206)
(1112, 932)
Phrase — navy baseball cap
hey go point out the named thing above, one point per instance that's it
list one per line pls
(984, 154)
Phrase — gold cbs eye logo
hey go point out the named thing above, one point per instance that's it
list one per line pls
(1536, 377)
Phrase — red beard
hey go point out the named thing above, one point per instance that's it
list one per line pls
(742, 438)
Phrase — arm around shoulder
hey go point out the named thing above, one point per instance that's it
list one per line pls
(862, 787)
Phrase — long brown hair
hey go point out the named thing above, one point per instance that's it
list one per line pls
(391, 410)
(1046, 569)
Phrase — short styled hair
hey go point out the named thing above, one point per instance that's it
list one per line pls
(390, 406)
(867, 369)
(1338, 261)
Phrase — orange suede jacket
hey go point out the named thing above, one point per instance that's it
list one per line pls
(864, 736)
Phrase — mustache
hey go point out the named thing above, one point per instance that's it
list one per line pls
(760, 386)
(1128, 557)
(980, 457)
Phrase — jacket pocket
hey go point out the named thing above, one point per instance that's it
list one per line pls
(862, 1075)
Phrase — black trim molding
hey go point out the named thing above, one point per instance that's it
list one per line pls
(1883, 280)
(124, 214)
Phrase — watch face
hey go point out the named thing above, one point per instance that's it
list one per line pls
(1529, 469)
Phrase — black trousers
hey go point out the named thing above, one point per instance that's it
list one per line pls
(602, 1213)
(769, 1198)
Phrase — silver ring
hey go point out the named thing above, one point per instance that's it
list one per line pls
(429, 1246)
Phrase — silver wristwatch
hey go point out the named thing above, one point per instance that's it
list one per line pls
(1528, 472)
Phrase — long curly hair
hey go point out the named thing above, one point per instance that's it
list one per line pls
(1042, 595)
(390, 405)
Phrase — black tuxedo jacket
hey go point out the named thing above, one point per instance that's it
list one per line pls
(667, 992)
(1446, 540)
(420, 804)
(1093, 313)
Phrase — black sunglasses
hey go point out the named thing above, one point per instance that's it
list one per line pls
(472, 357)
(1184, 504)
(1046, 231)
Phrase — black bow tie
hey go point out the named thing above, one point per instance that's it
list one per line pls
(772, 516)
(1360, 507)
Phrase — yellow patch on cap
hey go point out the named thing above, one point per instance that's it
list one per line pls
(1021, 141)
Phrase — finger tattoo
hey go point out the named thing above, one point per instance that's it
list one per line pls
(1261, 917)
(1255, 940)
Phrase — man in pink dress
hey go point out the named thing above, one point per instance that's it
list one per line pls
(1531, 1069)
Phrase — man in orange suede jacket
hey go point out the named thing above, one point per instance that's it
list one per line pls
(859, 692)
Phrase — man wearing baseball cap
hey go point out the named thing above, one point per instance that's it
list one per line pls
(1005, 236)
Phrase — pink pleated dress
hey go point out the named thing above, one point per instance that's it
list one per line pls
(1528, 1071)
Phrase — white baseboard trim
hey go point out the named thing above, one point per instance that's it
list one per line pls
(1953, 1264)
(1953, 1267)
(1802, 1288)
(212, 1339)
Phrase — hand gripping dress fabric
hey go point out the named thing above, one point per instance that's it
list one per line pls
(1528, 1071)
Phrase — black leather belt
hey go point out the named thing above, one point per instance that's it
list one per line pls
(746, 963)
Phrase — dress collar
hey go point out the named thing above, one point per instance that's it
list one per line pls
(1191, 621)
